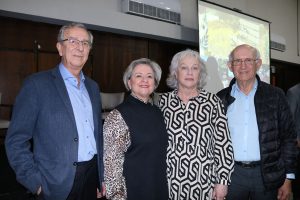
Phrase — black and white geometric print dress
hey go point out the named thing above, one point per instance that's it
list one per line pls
(199, 152)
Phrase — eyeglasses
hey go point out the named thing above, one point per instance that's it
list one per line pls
(247, 61)
(75, 43)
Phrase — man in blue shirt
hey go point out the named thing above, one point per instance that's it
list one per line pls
(262, 131)
(60, 111)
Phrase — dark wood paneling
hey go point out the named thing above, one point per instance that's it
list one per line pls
(286, 74)
(46, 37)
(17, 34)
(14, 67)
(47, 60)
(111, 55)
(22, 34)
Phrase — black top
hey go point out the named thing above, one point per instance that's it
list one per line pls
(145, 160)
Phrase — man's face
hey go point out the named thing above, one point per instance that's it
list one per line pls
(75, 49)
(244, 65)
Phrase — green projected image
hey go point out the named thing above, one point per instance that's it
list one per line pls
(220, 30)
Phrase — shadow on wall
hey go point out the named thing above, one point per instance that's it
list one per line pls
(214, 82)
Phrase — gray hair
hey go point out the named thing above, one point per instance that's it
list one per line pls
(172, 81)
(255, 52)
(154, 66)
(61, 34)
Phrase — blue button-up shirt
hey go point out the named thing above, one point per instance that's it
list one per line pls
(243, 125)
(82, 109)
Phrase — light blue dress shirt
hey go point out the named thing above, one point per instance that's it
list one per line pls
(243, 125)
(82, 109)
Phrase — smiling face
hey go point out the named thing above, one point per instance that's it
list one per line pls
(74, 56)
(244, 65)
(188, 73)
(142, 82)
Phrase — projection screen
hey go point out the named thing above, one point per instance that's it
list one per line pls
(220, 30)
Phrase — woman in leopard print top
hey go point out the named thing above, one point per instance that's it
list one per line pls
(135, 140)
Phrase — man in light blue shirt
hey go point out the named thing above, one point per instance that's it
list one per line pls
(262, 131)
(242, 119)
(60, 111)
(83, 113)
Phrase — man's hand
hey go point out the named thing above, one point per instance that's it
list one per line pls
(220, 191)
(285, 191)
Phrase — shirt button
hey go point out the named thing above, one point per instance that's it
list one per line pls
(75, 163)
(76, 139)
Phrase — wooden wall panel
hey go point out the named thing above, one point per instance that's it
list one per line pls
(88, 67)
(15, 66)
(46, 37)
(17, 34)
(111, 55)
(22, 34)
(47, 60)
(286, 74)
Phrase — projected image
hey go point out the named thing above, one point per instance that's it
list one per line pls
(222, 29)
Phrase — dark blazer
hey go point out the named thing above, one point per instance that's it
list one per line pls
(43, 115)
(293, 96)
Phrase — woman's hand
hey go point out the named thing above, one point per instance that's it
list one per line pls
(101, 193)
(219, 192)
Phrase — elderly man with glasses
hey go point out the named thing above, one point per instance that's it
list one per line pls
(54, 142)
(262, 131)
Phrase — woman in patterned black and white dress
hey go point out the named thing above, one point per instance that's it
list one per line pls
(199, 155)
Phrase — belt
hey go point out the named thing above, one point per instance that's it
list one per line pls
(94, 159)
(248, 164)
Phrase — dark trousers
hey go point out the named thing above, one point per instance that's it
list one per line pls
(86, 181)
(247, 184)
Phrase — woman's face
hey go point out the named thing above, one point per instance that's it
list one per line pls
(188, 73)
(142, 82)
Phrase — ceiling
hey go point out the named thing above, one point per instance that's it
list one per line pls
(173, 5)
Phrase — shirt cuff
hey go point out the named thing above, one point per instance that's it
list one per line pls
(290, 176)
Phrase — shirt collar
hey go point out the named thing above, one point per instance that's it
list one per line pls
(235, 87)
(67, 75)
